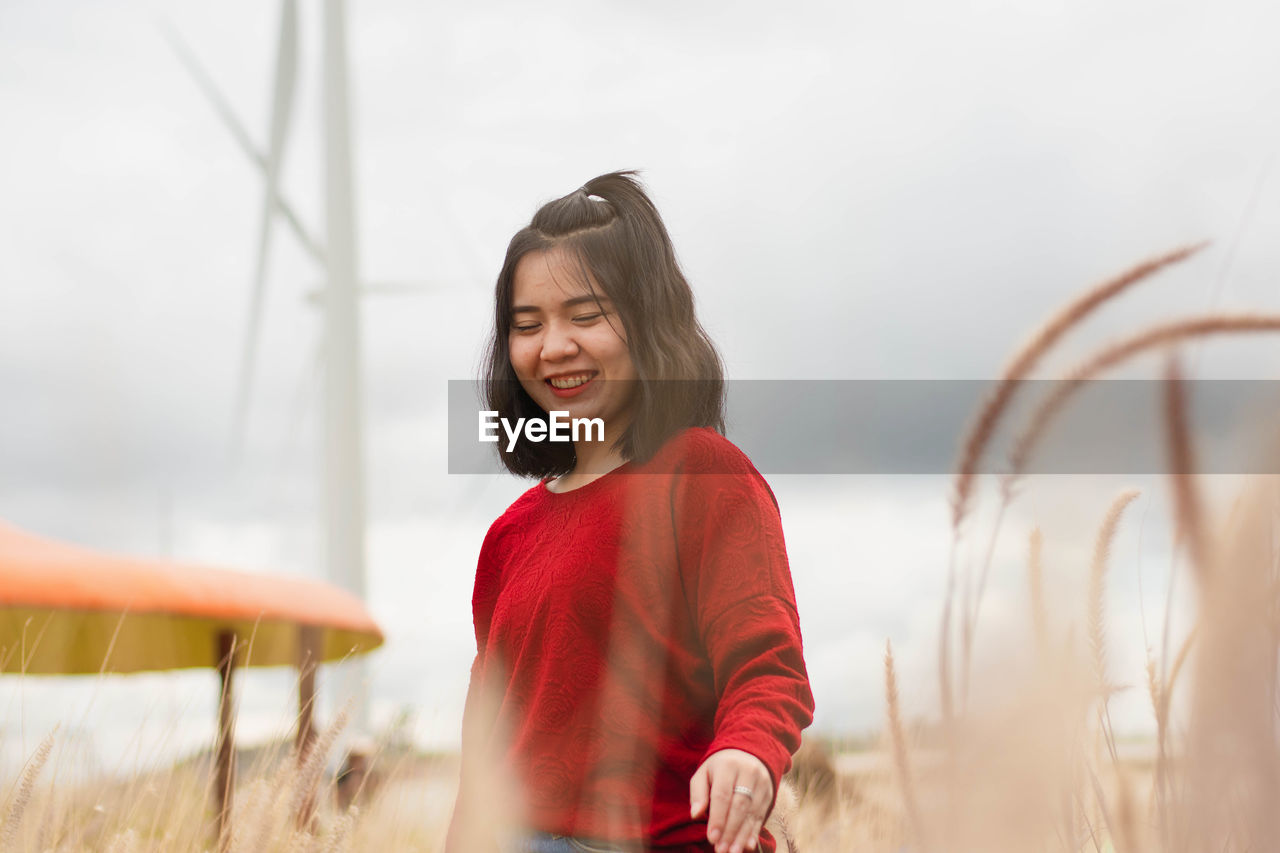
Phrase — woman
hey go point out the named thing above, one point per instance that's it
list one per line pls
(639, 681)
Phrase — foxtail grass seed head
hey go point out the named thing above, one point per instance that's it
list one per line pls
(1112, 356)
(1030, 355)
(13, 815)
(1097, 589)
(313, 764)
(1188, 512)
(898, 739)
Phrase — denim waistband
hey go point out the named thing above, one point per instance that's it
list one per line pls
(544, 842)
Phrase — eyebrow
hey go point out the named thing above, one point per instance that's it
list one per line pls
(568, 303)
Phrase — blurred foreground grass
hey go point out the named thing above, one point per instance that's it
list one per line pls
(834, 801)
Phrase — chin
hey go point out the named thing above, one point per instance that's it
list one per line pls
(578, 411)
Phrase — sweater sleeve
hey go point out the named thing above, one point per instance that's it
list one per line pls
(734, 566)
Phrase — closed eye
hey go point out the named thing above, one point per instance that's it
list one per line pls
(588, 318)
(526, 327)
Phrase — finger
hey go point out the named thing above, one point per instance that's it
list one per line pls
(741, 809)
(699, 790)
(749, 833)
(721, 799)
(761, 795)
(762, 812)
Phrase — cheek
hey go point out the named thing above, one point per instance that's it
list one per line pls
(614, 350)
(626, 367)
(522, 356)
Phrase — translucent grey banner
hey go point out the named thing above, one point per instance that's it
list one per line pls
(916, 426)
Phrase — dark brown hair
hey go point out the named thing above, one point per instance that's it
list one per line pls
(612, 229)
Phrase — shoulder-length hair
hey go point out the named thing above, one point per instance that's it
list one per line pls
(612, 230)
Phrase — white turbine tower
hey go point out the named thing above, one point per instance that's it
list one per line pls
(344, 507)
(343, 512)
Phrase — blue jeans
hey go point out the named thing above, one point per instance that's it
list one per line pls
(542, 842)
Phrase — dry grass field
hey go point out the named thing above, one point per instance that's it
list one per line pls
(841, 802)
(1037, 768)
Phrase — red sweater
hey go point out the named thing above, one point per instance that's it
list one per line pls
(626, 630)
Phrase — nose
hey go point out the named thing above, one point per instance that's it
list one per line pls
(558, 343)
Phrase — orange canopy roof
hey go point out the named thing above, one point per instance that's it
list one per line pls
(66, 609)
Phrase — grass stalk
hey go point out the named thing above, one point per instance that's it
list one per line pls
(1116, 354)
(898, 740)
(1097, 612)
(1188, 510)
(1029, 356)
(22, 797)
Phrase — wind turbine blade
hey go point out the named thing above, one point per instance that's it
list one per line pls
(238, 133)
(210, 90)
(286, 76)
(281, 113)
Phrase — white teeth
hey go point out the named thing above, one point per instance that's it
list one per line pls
(571, 382)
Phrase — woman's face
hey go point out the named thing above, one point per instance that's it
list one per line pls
(566, 343)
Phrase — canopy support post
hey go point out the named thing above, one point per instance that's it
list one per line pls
(309, 651)
(224, 776)
(308, 663)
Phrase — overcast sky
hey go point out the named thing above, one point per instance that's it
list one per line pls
(855, 190)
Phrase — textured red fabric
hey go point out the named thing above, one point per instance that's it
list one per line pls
(628, 629)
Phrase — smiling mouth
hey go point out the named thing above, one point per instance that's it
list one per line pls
(566, 382)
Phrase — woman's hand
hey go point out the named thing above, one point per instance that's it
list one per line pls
(723, 782)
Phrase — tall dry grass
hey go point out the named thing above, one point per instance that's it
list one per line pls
(17, 805)
(171, 810)
(1038, 767)
(980, 435)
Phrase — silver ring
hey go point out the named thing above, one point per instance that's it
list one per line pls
(742, 789)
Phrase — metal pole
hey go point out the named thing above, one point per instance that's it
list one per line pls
(309, 638)
(308, 663)
(344, 522)
(224, 775)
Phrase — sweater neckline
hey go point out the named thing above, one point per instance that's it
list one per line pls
(586, 487)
